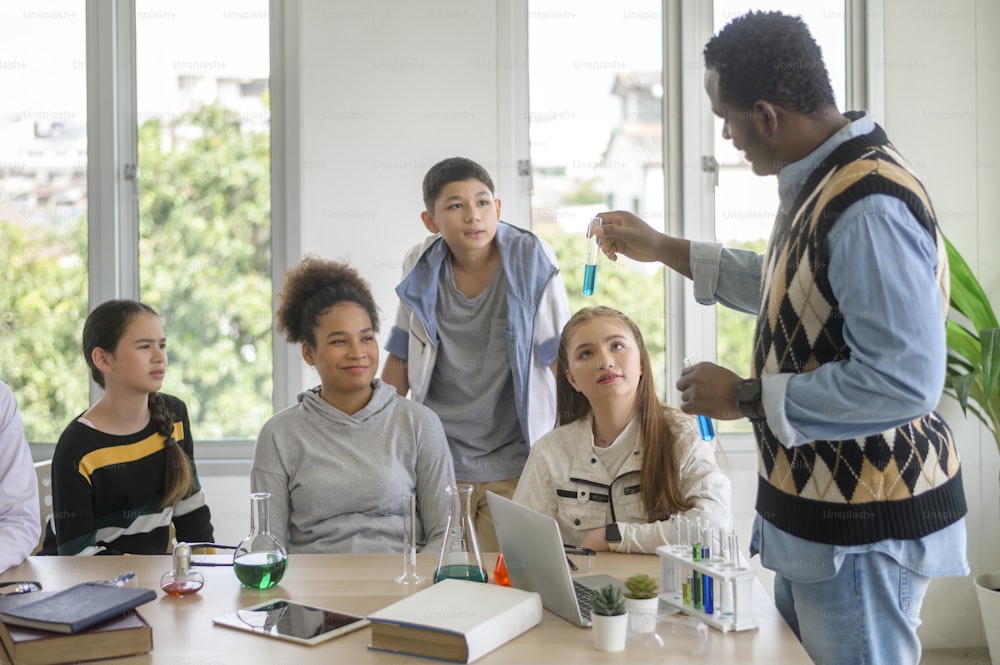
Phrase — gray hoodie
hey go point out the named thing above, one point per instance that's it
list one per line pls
(337, 482)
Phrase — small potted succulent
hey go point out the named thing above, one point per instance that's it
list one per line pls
(609, 619)
(642, 600)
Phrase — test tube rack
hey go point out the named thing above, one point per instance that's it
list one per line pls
(741, 578)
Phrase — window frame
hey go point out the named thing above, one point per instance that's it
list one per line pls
(688, 149)
(112, 129)
(112, 185)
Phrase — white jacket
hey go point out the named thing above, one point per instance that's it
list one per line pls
(563, 478)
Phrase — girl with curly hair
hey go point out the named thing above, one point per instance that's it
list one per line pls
(339, 462)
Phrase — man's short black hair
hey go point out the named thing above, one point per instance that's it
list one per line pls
(769, 56)
(447, 171)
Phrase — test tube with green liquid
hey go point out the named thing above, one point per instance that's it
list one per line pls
(590, 259)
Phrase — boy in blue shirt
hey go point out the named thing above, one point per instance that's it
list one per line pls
(477, 332)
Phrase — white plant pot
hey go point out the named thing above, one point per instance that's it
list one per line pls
(989, 605)
(609, 631)
(642, 614)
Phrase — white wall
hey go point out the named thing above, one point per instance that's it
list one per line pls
(942, 68)
(388, 88)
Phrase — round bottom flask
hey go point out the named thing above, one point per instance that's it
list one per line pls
(260, 560)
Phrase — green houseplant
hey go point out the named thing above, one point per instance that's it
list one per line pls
(641, 586)
(642, 600)
(609, 620)
(609, 601)
(973, 379)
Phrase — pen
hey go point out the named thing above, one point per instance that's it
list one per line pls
(11, 588)
(122, 579)
(571, 564)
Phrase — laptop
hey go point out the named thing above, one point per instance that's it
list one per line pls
(533, 551)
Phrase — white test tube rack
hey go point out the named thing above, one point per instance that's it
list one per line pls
(741, 578)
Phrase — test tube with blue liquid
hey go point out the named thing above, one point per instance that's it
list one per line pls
(590, 259)
(705, 426)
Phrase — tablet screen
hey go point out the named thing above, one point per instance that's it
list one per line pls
(293, 621)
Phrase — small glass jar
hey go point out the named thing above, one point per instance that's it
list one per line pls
(181, 580)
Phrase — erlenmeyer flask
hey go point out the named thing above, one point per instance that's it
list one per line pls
(260, 560)
(460, 557)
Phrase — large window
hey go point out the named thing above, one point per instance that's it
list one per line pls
(204, 204)
(597, 144)
(203, 233)
(596, 99)
(43, 206)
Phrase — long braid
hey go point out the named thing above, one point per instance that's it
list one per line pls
(177, 476)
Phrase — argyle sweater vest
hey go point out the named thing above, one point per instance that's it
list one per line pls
(902, 483)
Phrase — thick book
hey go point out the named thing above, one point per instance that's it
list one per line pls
(126, 635)
(77, 608)
(455, 620)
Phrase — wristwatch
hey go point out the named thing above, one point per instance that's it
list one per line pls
(612, 534)
(748, 394)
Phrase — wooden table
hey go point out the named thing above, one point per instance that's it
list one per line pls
(183, 633)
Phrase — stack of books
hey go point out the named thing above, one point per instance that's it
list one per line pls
(80, 624)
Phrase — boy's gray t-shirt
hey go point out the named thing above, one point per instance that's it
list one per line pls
(472, 389)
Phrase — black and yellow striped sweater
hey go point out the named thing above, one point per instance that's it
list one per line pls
(107, 492)
(902, 483)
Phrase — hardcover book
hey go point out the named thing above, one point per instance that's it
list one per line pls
(77, 608)
(455, 620)
(125, 635)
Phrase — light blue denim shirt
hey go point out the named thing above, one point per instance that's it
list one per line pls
(879, 392)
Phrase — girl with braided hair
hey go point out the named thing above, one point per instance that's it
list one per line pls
(123, 471)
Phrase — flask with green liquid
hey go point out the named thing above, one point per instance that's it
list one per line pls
(260, 560)
(460, 556)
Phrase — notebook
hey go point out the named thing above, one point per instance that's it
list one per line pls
(533, 551)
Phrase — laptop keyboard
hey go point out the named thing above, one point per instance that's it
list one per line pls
(585, 598)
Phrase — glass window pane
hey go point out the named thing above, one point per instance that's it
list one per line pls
(204, 204)
(745, 204)
(43, 210)
(597, 144)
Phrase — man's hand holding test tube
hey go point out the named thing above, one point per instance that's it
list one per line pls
(704, 422)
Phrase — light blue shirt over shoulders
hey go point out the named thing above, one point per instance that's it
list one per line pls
(887, 381)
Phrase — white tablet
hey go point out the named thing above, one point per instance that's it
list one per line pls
(288, 620)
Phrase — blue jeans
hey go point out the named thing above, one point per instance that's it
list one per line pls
(865, 614)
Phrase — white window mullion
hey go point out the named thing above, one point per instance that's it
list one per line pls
(112, 196)
(513, 170)
(112, 204)
(286, 183)
(691, 125)
(866, 57)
